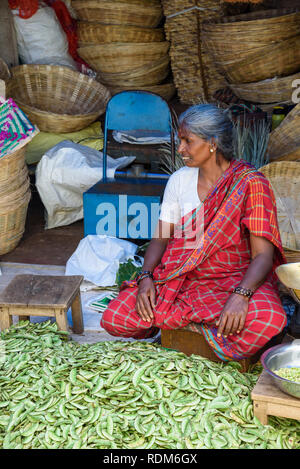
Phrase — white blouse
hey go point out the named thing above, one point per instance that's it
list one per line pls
(180, 195)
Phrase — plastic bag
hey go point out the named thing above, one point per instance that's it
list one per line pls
(41, 39)
(98, 257)
(64, 173)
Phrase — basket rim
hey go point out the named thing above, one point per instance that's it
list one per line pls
(97, 24)
(275, 90)
(116, 45)
(19, 147)
(145, 4)
(53, 68)
(290, 249)
(138, 71)
(254, 16)
(262, 58)
(57, 115)
(78, 76)
(280, 165)
(266, 81)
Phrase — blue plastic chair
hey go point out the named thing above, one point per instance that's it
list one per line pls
(137, 110)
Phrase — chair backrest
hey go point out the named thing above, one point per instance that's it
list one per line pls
(137, 110)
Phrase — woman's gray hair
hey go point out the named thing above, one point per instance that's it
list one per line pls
(210, 122)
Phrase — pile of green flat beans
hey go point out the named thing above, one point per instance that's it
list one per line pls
(57, 393)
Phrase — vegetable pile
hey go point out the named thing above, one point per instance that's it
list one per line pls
(291, 373)
(56, 393)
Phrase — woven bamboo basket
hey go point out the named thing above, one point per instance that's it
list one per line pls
(150, 74)
(96, 33)
(142, 13)
(122, 57)
(165, 90)
(235, 37)
(11, 165)
(279, 59)
(13, 212)
(195, 74)
(57, 99)
(11, 185)
(284, 177)
(272, 90)
(284, 141)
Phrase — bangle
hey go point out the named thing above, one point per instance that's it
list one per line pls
(144, 274)
(243, 291)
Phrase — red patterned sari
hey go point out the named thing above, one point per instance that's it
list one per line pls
(205, 259)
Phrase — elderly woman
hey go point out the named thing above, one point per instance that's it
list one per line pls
(216, 246)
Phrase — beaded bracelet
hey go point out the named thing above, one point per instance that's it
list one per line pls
(243, 291)
(144, 274)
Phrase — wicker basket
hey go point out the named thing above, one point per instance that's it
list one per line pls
(285, 139)
(292, 255)
(284, 177)
(13, 212)
(279, 59)
(195, 75)
(150, 74)
(57, 99)
(235, 37)
(122, 57)
(11, 185)
(165, 90)
(142, 13)
(272, 90)
(96, 33)
(11, 165)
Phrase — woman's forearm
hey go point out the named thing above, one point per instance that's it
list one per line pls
(257, 272)
(154, 253)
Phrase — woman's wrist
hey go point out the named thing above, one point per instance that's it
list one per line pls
(144, 274)
(244, 292)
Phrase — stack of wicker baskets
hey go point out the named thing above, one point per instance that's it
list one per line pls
(258, 53)
(284, 177)
(122, 42)
(195, 75)
(14, 199)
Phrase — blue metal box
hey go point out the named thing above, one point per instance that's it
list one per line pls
(125, 208)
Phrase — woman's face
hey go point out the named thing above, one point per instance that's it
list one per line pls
(194, 150)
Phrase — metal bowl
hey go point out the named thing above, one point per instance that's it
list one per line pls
(283, 356)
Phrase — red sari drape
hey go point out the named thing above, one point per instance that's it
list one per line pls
(205, 259)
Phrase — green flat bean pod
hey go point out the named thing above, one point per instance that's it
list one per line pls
(56, 393)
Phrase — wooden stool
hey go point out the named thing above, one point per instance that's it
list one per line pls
(190, 342)
(42, 295)
(268, 399)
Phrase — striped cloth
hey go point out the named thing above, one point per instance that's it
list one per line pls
(196, 275)
(15, 127)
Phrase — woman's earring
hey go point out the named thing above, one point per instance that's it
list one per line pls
(211, 150)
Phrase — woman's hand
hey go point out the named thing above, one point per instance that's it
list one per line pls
(233, 316)
(145, 301)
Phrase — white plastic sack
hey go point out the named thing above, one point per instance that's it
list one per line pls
(64, 173)
(98, 257)
(41, 39)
